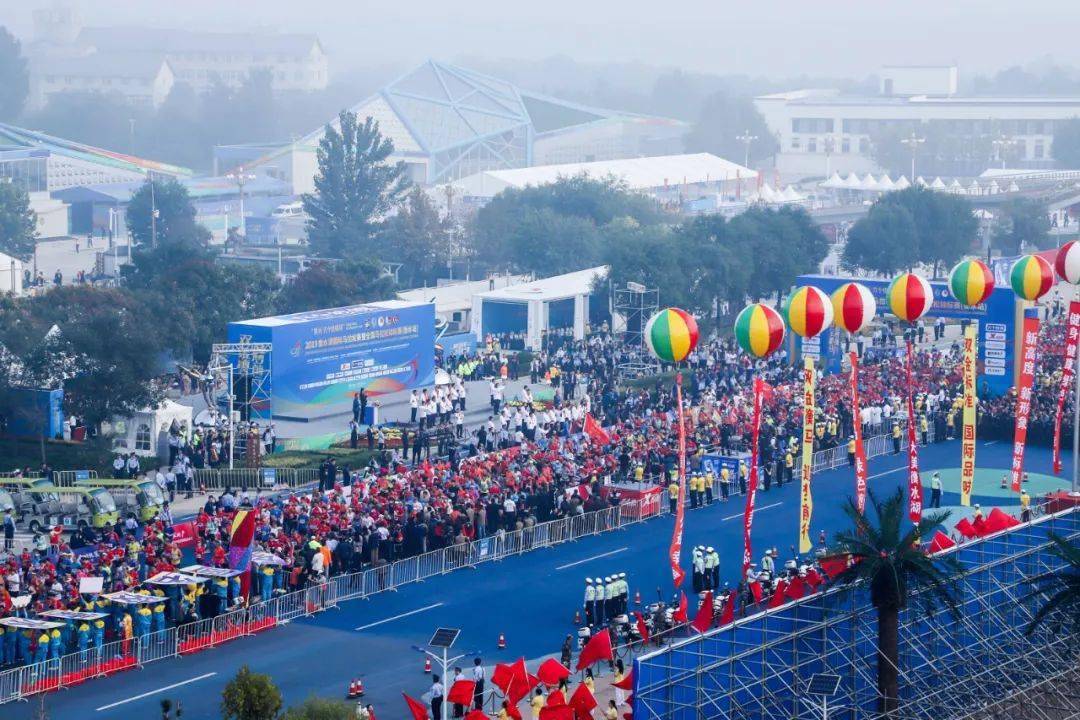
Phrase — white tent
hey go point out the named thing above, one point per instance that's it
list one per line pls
(902, 183)
(791, 194)
(852, 182)
(869, 183)
(920, 181)
(956, 187)
(11, 275)
(994, 188)
(937, 184)
(973, 188)
(1013, 187)
(834, 182)
(767, 194)
(886, 183)
(146, 432)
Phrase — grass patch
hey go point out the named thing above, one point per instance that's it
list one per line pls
(59, 454)
(312, 458)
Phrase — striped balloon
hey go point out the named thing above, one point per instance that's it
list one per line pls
(671, 334)
(759, 330)
(1067, 262)
(854, 307)
(1031, 277)
(910, 296)
(808, 311)
(971, 282)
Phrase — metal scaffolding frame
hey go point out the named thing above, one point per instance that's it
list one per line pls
(962, 666)
(243, 366)
(634, 305)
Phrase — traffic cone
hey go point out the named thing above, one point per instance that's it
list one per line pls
(352, 690)
(502, 641)
(359, 687)
(427, 665)
(637, 597)
(577, 617)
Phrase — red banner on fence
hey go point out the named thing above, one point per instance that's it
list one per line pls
(675, 552)
(1072, 334)
(751, 489)
(1029, 339)
(860, 450)
(915, 503)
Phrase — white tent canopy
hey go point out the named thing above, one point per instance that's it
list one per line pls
(869, 183)
(146, 432)
(886, 184)
(938, 184)
(902, 183)
(834, 182)
(852, 182)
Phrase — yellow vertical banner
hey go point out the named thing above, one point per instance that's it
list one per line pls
(967, 445)
(807, 506)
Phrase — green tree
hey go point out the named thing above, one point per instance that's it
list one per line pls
(724, 118)
(160, 212)
(418, 238)
(355, 188)
(888, 560)
(14, 77)
(1022, 222)
(788, 238)
(250, 696)
(548, 243)
(316, 708)
(335, 284)
(18, 224)
(96, 118)
(1060, 589)
(1066, 149)
(884, 241)
(942, 152)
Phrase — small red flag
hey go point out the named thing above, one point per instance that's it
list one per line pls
(813, 579)
(557, 712)
(556, 699)
(598, 648)
(727, 615)
(582, 701)
(978, 525)
(627, 683)
(642, 628)
(502, 676)
(551, 671)
(833, 566)
(680, 615)
(461, 692)
(795, 589)
(594, 431)
(777, 598)
(418, 709)
(965, 528)
(940, 542)
(703, 619)
(755, 590)
(479, 715)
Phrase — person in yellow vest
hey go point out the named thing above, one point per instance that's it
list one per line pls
(789, 468)
(537, 703)
(126, 632)
(725, 483)
(950, 425)
(744, 475)
(896, 438)
(697, 489)
(673, 494)
(851, 451)
(639, 472)
(709, 480)
(1025, 506)
(924, 427)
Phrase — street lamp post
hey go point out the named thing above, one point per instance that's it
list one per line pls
(746, 138)
(913, 141)
(1001, 144)
(830, 145)
(240, 177)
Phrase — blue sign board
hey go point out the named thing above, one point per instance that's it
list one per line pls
(996, 320)
(458, 344)
(715, 463)
(322, 357)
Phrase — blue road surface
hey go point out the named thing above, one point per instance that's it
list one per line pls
(531, 598)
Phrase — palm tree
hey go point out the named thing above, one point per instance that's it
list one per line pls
(1066, 584)
(893, 565)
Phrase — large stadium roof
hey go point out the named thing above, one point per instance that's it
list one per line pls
(16, 138)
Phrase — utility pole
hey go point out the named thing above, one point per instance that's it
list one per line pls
(153, 214)
(913, 142)
(240, 177)
(746, 138)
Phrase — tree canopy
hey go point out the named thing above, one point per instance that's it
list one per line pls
(18, 224)
(14, 77)
(334, 284)
(356, 186)
(174, 219)
(1022, 222)
(417, 238)
(250, 696)
(724, 118)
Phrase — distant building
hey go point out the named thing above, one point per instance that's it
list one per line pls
(821, 130)
(141, 79)
(447, 123)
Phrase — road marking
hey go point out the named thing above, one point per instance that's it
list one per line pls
(155, 692)
(594, 557)
(398, 617)
(888, 472)
(756, 511)
(990, 442)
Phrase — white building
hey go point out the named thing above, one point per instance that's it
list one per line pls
(454, 299)
(820, 130)
(11, 275)
(141, 78)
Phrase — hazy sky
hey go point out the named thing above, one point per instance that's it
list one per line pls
(776, 38)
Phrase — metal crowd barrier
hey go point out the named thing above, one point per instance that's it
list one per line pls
(253, 478)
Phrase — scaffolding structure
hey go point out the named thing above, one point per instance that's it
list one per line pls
(633, 306)
(242, 370)
(978, 663)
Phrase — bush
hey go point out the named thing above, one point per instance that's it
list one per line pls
(250, 696)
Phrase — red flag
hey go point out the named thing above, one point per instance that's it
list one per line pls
(627, 683)
(595, 432)
(479, 715)
(940, 542)
(703, 619)
(1000, 520)
(461, 692)
(502, 676)
(556, 699)
(557, 712)
(965, 528)
(833, 566)
(598, 648)
(778, 595)
(727, 615)
(760, 389)
(813, 579)
(978, 526)
(512, 711)
(582, 701)
(680, 614)
(642, 628)
(675, 551)
(551, 671)
(860, 450)
(795, 589)
(915, 499)
(755, 590)
(522, 683)
(418, 709)
(1072, 336)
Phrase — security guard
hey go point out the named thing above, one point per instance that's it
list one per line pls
(896, 438)
(768, 564)
(609, 598)
(708, 559)
(673, 495)
(709, 480)
(935, 490)
(624, 593)
(789, 466)
(715, 561)
(725, 482)
(851, 451)
(598, 603)
(590, 600)
(699, 570)
(1025, 506)
(744, 474)
(924, 427)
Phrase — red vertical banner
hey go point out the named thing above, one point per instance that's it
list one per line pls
(806, 499)
(1028, 340)
(675, 553)
(915, 500)
(860, 450)
(751, 489)
(967, 442)
(1068, 369)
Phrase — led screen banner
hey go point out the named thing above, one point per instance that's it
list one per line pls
(321, 358)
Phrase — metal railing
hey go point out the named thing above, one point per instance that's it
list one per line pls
(253, 478)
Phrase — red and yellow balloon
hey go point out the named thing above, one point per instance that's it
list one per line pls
(808, 311)
(759, 330)
(671, 334)
(854, 307)
(910, 297)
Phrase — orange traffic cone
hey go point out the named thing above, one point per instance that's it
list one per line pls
(637, 597)
(352, 690)
(502, 641)
(359, 688)
(427, 665)
(577, 617)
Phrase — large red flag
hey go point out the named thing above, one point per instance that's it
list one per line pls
(703, 619)
(779, 594)
(727, 615)
(479, 715)
(627, 683)
(598, 648)
(760, 387)
(680, 615)
(915, 499)
(795, 589)
(556, 699)
(582, 701)
(965, 528)
(461, 692)
(675, 551)
(502, 676)
(813, 579)
(418, 709)
(940, 542)
(551, 671)
(598, 434)
(556, 712)
(755, 590)
(642, 628)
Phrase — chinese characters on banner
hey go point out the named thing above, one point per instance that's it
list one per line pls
(967, 442)
(915, 503)
(806, 507)
(856, 422)
(1072, 334)
(1029, 339)
(677, 573)
(751, 486)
